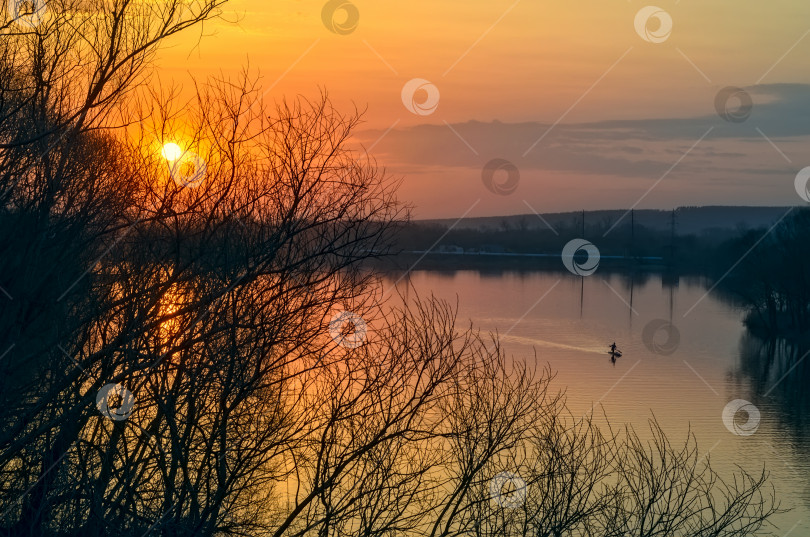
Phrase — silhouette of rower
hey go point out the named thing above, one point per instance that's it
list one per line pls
(614, 353)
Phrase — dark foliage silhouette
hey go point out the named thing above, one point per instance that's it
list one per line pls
(206, 293)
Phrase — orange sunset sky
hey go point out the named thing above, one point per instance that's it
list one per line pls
(592, 109)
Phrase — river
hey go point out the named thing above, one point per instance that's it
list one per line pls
(685, 376)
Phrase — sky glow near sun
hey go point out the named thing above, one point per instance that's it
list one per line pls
(591, 113)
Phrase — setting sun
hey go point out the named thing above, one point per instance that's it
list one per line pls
(172, 151)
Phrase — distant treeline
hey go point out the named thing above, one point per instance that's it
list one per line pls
(767, 269)
(632, 241)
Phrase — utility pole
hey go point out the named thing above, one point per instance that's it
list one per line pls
(672, 239)
(583, 223)
(632, 233)
(582, 278)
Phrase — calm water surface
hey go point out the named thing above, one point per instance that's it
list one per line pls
(568, 322)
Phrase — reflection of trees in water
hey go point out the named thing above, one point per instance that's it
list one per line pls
(776, 371)
(780, 370)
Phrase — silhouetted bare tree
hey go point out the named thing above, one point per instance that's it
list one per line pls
(176, 355)
(772, 277)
